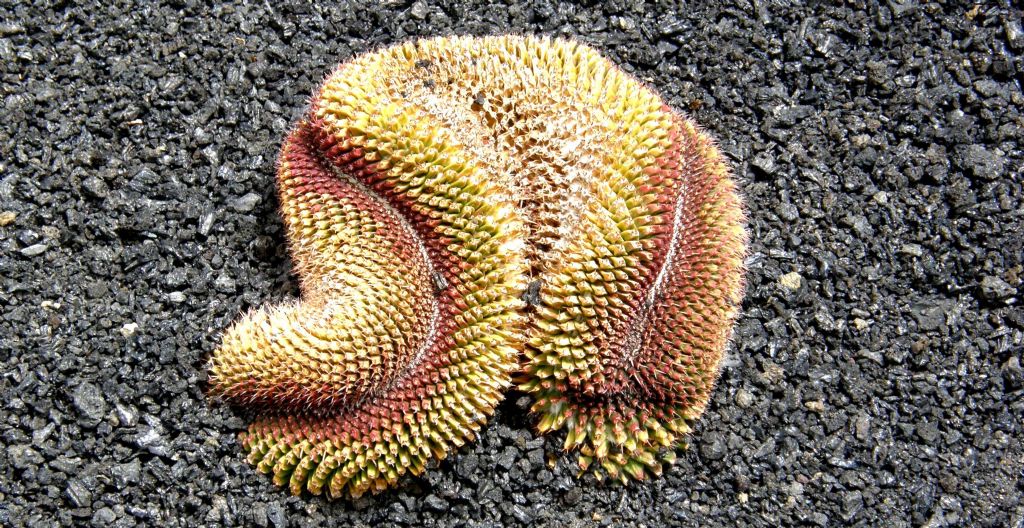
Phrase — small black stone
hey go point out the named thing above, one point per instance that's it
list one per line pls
(532, 294)
(276, 515)
(95, 187)
(713, 447)
(89, 401)
(996, 289)
(435, 503)
(984, 162)
(23, 456)
(78, 493)
(440, 283)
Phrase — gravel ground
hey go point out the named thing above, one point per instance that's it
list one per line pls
(876, 373)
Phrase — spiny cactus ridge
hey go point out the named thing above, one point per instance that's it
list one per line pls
(465, 211)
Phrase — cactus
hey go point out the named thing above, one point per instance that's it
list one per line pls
(463, 211)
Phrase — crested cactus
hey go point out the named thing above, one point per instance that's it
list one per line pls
(461, 210)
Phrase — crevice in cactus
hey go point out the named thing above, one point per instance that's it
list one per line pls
(438, 281)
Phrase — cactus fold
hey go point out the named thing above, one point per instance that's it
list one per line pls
(469, 213)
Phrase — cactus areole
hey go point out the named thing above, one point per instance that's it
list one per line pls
(469, 214)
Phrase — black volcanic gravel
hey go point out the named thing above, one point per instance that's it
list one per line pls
(875, 378)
